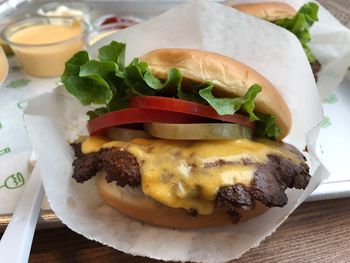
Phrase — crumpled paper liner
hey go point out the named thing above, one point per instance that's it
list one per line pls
(52, 118)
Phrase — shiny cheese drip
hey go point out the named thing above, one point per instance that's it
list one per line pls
(188, 174)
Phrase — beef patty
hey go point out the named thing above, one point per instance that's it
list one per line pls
(316, 68)
(271, 179)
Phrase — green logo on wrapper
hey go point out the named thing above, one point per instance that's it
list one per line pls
(15, 69)
(13, 181)
(5, 150)
(22, 104)
(18, 83)
(326, 122)
(331, 99)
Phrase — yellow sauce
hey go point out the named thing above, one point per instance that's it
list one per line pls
(4, 66)
(47, 60)
(183, 174)
(7, 49)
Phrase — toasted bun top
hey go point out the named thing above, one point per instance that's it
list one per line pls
(230, 78)
(270, 11)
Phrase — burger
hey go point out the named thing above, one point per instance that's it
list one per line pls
(183, 138)
(297, 22)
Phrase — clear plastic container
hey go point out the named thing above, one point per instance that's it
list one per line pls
(108, 24)
(106, 30)
(78, 10)
(43, 45)
(4, 23)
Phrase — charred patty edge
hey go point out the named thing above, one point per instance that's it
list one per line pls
(268, 186)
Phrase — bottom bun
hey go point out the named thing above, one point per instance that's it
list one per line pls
(133, 203)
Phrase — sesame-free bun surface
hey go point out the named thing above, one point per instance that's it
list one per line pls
(270, 11)
(230, 77)
(133, 203)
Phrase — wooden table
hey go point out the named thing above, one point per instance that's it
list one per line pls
(315, 232)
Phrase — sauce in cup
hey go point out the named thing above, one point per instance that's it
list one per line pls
(43, 45)
(4, 66)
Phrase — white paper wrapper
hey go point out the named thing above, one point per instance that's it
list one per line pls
(15, 145)
(330, 43)
(193, 25)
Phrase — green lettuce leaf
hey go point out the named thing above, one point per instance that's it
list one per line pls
(192, 93)
(225, 106)
(99, 71)
(300, 25)
(110, 83)
(72, 66)
(86, 90)
(140, 80)
(97, 112)
(114, 52)
(266, 126)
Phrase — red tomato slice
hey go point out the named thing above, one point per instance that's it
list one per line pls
(183, 106)
(137, 115)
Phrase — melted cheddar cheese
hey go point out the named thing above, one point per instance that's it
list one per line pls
(188, 174)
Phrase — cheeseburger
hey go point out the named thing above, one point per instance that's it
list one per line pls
(297, 22)
(183, 138)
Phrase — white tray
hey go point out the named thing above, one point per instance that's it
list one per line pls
(333, 146)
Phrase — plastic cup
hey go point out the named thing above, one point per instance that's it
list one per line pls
(44, 53)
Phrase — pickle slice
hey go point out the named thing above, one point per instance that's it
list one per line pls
(122, 134)
(198, 131)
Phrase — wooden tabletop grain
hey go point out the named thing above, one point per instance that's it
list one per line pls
(315, 232)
